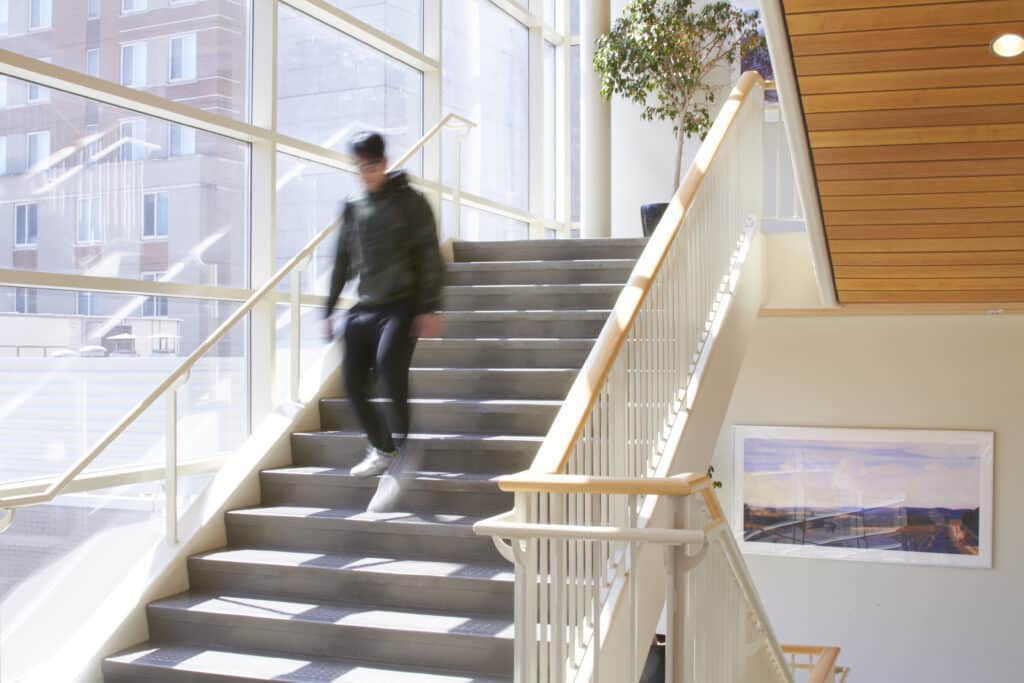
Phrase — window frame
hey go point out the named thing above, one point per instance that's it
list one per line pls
(134, 10)
(26, 301)
(89, 54)
(194, 61)
(22, 243)
(134, 45)
(91, 298)
(42, 92)
(49, 16)
(29, 163)
(156, 236)
(185, 132)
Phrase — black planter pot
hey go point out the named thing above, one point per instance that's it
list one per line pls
(650, 214)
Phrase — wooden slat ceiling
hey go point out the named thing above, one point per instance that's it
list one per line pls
(917, 136)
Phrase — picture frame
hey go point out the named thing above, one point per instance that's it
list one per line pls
(905, 496)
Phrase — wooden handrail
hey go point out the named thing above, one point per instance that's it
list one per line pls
(529, 482)
(825, 667)
(568, 424)
(825, 660)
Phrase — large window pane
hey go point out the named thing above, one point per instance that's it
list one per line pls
(400, 19)
(486, 79)
(574, 133)
(331, 86)
(51, 548)
(550, 131)
(160, 197)
(309, 198)
(193, 52)
(551, 12)
(60, 355)
(484, 226)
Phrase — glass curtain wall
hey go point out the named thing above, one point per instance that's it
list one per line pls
(136, 162)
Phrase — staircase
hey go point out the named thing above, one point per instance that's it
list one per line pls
(312, 587)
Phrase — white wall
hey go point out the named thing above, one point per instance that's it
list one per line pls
(896, 623)
(643, 155)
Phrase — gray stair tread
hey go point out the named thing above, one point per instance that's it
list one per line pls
(534, 288)
(197, 605)
(360, 563)
(435, 436)
(511, 342)
(264, 666)
(512, 402)
(383, 522)
(569, 314)
(576, 242)
(477, 371)
(440, 481)
(541, 264)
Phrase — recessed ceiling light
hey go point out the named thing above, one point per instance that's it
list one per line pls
(1008, 45)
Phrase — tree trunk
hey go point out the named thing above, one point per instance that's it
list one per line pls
(680, 141)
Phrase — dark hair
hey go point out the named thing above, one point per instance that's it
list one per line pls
(368, 146)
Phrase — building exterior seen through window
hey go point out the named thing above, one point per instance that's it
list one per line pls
(139, 197)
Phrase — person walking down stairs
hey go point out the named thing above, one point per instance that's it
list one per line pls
(388, 243)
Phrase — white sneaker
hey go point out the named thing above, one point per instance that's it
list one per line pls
(375, 462)
(393, 483)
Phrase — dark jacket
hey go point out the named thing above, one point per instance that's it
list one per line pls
(388, 239)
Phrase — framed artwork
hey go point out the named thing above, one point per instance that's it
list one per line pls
(868, 495)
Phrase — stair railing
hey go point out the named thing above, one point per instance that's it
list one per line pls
(818, 661)
(639, 380)
(725, 635)
(170, 386)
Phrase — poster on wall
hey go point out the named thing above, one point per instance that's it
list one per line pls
(867, 495)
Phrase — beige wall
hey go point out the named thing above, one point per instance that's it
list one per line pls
(895, 623)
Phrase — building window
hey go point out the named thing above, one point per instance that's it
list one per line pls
(26, 229)
(183, 58)
(132, 6)
(85, 304)
(36, 93)
(38, 147)
(89, 230)
(550, 234)
(154, 215)
(94, 9)
(183, 140)
(92, 62)
(40, 14)
(154, 306)
(4, 16)
(25, 300)
(3, 155)
(133, 140)
(133, 65)
(3, 88)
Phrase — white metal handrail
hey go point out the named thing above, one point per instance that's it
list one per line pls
(640, 377)
(180, 375)
(565, 572)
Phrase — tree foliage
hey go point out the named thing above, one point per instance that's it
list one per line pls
(660, 53)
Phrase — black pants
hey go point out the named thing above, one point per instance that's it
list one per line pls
(379, 346)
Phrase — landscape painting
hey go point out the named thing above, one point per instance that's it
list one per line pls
(907, 496)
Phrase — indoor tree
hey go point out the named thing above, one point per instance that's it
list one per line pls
(660, 54)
